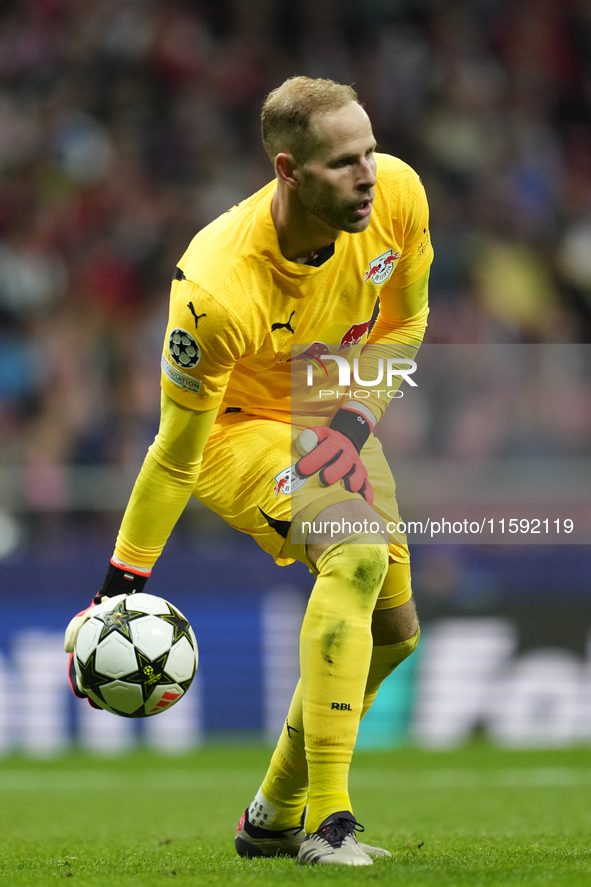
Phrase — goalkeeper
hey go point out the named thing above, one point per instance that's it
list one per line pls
(261, 300)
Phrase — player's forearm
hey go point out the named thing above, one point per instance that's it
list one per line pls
(164, 485)
(397, 335)
(403, 315)
(159, 497)
(393, 334)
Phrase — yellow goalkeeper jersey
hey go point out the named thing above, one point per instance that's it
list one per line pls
(241, 313)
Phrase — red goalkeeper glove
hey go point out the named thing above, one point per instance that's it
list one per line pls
(118, 581)
(335, 453)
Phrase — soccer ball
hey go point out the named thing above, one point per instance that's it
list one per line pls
(135, 655)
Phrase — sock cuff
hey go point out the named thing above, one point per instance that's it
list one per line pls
(391, 655)
(261, 812)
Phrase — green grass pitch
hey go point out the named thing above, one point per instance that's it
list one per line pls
(475, 816)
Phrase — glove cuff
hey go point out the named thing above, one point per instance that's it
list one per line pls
(353, 425)
(120, 580)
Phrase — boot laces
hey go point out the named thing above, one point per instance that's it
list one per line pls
(337, 830)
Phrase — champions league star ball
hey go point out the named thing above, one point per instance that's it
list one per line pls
(135, 655)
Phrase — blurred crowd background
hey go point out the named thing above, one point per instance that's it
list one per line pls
(127, 125)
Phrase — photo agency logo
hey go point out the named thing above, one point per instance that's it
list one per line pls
(359, 377)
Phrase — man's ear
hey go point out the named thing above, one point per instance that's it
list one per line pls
(287, 170)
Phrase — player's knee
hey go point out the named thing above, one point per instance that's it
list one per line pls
(396, 625)
(396, 652)
(370, 567)
(360, 563)
(350, 522)
(409, 646)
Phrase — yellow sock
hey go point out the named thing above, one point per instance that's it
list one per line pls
(384, 659)
(285, 786)
(335, 653)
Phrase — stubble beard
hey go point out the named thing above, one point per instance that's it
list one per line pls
(332, 215)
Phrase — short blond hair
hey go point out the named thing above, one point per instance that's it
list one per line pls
(286, 113)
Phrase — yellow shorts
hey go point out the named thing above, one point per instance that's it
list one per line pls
(247, 477)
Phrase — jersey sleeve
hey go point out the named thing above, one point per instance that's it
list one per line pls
(202, 344)
(411, 213)
(201, 347)
(164, 484)
(396, 336)
(402, 319)
(403, 314)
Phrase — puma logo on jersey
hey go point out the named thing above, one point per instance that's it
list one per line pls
(196, 316)
(284, 326)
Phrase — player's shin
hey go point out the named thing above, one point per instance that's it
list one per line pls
(384, 659)
(395, 629)
(335, 654)
(281, 799)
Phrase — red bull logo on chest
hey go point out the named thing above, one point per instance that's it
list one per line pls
(381, 267)
(354, 335)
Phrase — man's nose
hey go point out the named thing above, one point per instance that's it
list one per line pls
(367, 175)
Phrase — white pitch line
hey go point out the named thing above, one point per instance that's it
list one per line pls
(19, 779)
(518, 777)
(95, 780)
